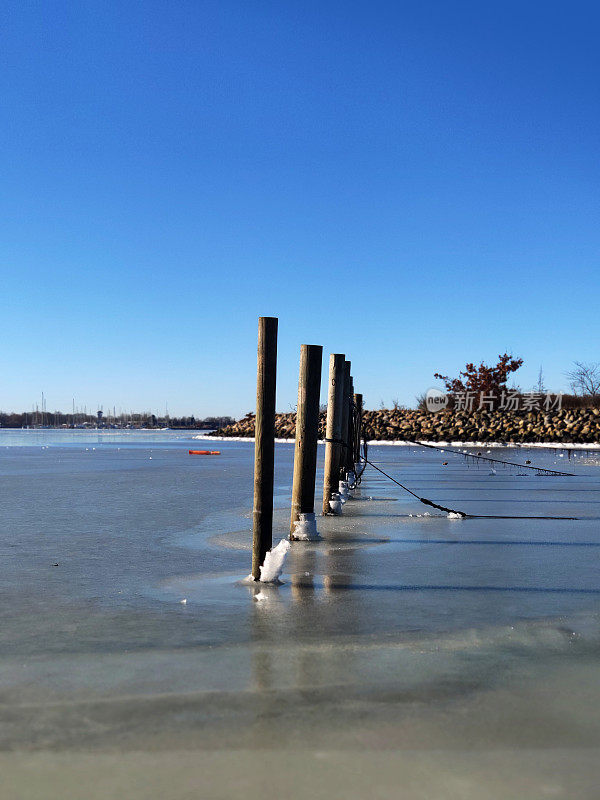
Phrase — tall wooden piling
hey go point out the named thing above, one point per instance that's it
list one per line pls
(335, 397)
(358, 404)
(264, 448)
(350, 440)
(345, 420)
(307, 432)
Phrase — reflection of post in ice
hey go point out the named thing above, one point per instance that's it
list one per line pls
(266, 611)
(303, 588)
(337, 582)
(305, 617)
(267, 602)
(303, 567)
(341, 567)
(262, 670)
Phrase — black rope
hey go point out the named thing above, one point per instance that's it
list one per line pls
(539, 470)
(423, 500)
(462, 514)
(358, 435)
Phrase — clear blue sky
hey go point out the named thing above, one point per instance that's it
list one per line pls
(414, 184)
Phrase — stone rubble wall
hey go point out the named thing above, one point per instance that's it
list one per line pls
(578, 426)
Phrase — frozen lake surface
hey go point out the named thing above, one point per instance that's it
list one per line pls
(456, 657)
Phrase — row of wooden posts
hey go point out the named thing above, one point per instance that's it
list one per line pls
(342, 442)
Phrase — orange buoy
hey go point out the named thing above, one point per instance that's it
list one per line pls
(204, 452)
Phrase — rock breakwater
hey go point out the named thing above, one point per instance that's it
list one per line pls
(566, 426)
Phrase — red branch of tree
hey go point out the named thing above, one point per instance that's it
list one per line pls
(486, 379)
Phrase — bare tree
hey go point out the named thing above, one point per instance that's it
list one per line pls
(540, 386)
(585, 379)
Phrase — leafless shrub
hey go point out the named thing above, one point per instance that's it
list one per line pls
(585, 379)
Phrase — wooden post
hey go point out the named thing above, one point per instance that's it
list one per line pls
(335, 398)
(350, 445)
(345, 417)
(264, 448)
(307, 432)
(358, 402)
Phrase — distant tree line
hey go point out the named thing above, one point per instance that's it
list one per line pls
(57, 419)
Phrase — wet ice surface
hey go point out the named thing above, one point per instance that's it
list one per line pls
(392, 632)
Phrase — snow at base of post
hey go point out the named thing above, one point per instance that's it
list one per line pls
(273, 566)
(335, 504)
(305, 528)
(343, 491)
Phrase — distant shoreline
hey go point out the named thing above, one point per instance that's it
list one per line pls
(89, 429)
